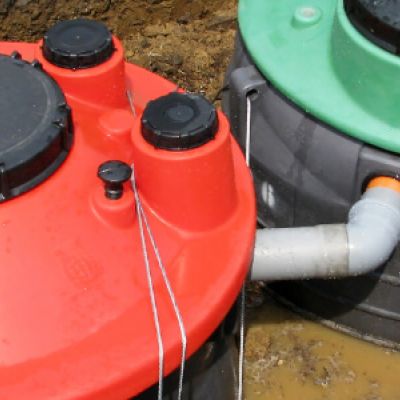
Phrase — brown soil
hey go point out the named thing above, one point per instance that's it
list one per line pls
(187, 41)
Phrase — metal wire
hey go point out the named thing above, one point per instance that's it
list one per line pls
(248, 130)
(143, 218)
(174, 304)
(150, 283)
(243, 292)
(241, 341)
(131, 103)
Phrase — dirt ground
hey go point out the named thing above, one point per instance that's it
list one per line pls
(187, 41)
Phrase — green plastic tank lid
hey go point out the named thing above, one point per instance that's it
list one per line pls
(313, 54)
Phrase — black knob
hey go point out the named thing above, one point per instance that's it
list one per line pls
(378, 21)
(114, 174)
(79, 43)
(179, 121)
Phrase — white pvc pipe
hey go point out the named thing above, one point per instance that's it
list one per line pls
(330, 251)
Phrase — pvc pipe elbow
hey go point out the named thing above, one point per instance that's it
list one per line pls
(330, 251)
(373, 230)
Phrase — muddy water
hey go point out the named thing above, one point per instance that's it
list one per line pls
(288, 358)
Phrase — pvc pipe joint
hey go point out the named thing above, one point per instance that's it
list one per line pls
(336, 250)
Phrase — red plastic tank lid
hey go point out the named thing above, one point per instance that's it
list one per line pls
(75, 316)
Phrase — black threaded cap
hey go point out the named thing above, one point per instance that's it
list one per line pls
(77, 44)
(179, 121)
(377, 20)
(36, 129)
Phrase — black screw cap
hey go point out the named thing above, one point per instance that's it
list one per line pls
(36, 129)
(378, 21)
(179, 121)
(78, 44)
(114, 174)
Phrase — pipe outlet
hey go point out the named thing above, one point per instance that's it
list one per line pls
(336, 250)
